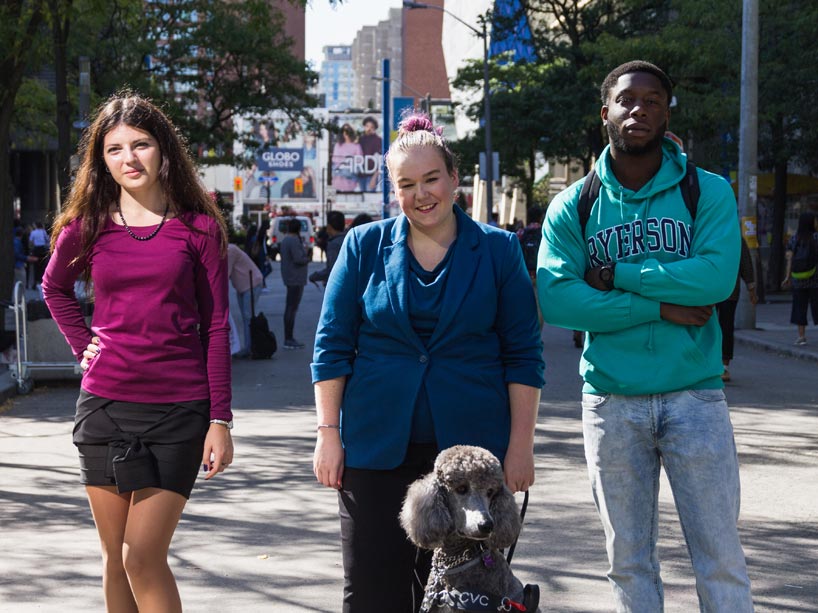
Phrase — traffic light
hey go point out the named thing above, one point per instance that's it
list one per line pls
(298, 185)
(238, 184)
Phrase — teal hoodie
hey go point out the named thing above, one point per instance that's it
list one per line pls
(662, 255)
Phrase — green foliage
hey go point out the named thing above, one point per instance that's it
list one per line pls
(699, 47)
(553, 104)
(540, 193)
(788, 82)
(204, 61)
(34, 115)
(215, 60)
(20, 23)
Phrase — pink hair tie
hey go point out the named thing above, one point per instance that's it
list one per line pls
(415, 123)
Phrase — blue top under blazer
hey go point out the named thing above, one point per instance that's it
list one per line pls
(487, 336)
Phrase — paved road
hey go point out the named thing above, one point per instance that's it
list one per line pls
(264, 537)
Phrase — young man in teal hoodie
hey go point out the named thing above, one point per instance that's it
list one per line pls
(642, 281)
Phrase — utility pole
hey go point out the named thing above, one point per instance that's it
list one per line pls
(387, 130)
(748, 151)
(487, 125)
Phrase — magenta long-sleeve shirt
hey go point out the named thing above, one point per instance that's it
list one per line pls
(161, 312)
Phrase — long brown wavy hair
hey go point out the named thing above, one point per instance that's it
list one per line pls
(94, 190)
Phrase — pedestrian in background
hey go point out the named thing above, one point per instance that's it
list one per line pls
(801, 276)
(428, 338)
(258, 251)
(244, 275)
(321, 238)
(294, 262)
(335, 236)
(530, 238)
(20, 257)
(154, 404)
(38, 249)
(652, 367)
(250, 240)
(360, 219)
(727, 308)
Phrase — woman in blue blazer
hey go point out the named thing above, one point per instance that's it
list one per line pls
(428, 338)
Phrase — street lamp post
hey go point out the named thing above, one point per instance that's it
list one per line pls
(486, 95)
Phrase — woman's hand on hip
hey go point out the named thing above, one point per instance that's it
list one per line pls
(328, 459)
(218, 450)
(91, 352)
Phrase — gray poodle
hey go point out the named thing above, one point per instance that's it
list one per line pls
(464, 511)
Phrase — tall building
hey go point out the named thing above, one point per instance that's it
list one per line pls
(371, 46)
(336, 82)
(294, 25)
(423, 62)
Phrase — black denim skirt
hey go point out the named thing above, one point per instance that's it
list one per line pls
(134, 445)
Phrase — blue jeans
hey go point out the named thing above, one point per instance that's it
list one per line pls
(244, 306)
(627, 441)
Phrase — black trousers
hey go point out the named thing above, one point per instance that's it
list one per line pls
(804, 298)
(294, 294)
(383, 570)
(41, 253)
(727, 316)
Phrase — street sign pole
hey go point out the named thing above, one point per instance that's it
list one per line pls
(386, 103)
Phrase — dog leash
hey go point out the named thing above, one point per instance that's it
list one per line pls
(522, 519)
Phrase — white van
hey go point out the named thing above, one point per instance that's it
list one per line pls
(277, 231)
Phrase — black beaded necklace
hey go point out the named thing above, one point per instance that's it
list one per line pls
(149, 236)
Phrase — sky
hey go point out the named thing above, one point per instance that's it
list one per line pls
(326, 25)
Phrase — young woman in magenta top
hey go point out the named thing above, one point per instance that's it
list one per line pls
(156, 361)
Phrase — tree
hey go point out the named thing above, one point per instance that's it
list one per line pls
(787, 115)
(20, 22)
(566, 34)
(206, 61)
(532, 112)
(552, 105)
(214, 61)
(60, 11)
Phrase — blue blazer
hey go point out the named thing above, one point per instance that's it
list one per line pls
(487, 336)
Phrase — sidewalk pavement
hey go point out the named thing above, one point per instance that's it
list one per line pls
(263, 537)
(775, 333)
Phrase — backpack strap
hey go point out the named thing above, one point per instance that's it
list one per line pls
(689, 187)
(587, 197)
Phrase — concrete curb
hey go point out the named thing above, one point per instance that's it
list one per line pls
(750, 340)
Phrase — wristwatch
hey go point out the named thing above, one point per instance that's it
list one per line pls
(606, 275)
(221, 422)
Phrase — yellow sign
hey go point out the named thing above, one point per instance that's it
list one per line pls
(749, 230)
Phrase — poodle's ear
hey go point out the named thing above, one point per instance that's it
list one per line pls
(425, 514)
(506, 519)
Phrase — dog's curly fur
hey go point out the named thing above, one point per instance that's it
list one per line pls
(462, 501)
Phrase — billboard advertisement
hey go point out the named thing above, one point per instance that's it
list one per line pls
(284, 158)
(355, 152)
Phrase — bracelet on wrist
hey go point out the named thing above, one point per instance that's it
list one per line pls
(328, 426)
(222, 422)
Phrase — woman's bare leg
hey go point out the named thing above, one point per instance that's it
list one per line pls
(110, 511)
(152, 520)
